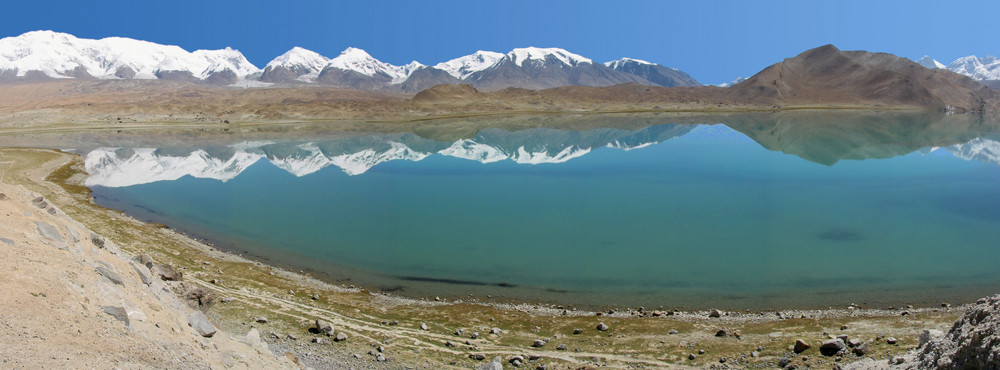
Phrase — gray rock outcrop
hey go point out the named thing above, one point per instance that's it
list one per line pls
(972, 343)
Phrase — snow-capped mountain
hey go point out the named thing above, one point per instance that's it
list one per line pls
(652, 72)
(116, 167)
(541, 68)
(733, 82)
(982, 149)
(929, 62)
(48, 54)
(296, 64)
(61, 55)
(980, 69)
(987, 68)
(462, 67)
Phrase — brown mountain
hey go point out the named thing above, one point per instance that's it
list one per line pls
(829, 76)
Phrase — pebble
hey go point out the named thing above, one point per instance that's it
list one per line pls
(315, 296)
(495, 331)
(423, 326)
(340, 337)
(898, 360)
(861, 349)
(538, 343)
(784, 361)
(261, 319)
(562, 347)
(317, 340)
(477, 356)
(672, 331)
(292, 336)
(701, 352)
(323, 326)
(890, 340)
(474, 335)
(715, 313)
(721, 333)
(459, 332)
(602, 327)
(577, 331)
(691, 356)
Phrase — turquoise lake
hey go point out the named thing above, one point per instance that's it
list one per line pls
(742, 212)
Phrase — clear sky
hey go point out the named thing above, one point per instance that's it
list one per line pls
(714, 41)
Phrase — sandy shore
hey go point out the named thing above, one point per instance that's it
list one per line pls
(381, 330)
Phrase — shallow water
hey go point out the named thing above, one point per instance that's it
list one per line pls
(760, 212)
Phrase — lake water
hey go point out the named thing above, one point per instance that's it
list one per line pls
(751, 211)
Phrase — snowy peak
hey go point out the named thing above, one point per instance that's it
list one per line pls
(987, 68)
(299, 57)
(520, 55)
(358, 60)
(462, 67)
(929, 62)
(617, 64)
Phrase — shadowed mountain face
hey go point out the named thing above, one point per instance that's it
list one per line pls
(655, 73)
(827, 138)
(547, 73)
(827, 75)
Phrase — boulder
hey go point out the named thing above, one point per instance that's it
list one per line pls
(973, 342)
(602, 327)
(118, 313)
(715, 313)
(832, 347)
(861, 349)
(200, 323)
(340, 337)
(200, 298)
(538, 343)
(146, 260)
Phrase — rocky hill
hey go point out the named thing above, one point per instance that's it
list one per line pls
(828, 76)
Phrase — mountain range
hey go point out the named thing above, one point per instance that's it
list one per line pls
(980, 69)
(39, 55)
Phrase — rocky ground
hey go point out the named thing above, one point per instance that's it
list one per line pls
(85, 286)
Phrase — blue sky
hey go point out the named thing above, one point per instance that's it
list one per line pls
(714, 41)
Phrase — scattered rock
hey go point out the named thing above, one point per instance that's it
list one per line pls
(200, 323)
(261, 319)
(715, 313)
(227, 299)
(898, 360)
(843, 338)
(99, 241)
(843, 327)
(784, 361)
(754, 354)
(890, 340)
(111, 275)
(7, 241)
(144, 259)
(691, 356)
(200, 298)
(701, 352)
(801, 346)
(291, 336)
(143, 273)
(323, 326)
(423, 326)
(3, 196)
(474, 335)
(49, 231)
(861, 349)
(721, 333)
(315, 297)
(832, 347)
(340, 337)
(459, 332)
(562, 347)
(854, 342)
(973, 342)
(317, 340)
(493, 365)
(538, 343)
(496, 331)
(657, 313)
(672, 331)
(118, 313)
(477, 356)
(602, 327)
(577, 331)
(167, 273)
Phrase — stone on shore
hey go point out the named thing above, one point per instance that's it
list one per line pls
(715, 313)
(200, 323)
(800, 346)
(832, 347)
(602, 327)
